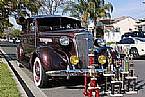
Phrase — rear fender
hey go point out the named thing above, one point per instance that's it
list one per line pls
(20, 53)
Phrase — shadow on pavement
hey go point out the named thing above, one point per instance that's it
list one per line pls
(72, 83)
(140, 58)
(140, 86)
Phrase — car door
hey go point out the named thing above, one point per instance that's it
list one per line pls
(28, 39)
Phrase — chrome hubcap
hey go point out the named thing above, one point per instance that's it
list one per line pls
(37, 71)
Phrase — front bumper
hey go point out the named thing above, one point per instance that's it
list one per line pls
(75, 72)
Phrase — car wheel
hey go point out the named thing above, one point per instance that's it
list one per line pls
(134, 52)
(39, 75)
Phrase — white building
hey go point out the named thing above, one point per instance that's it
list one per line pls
(120, 26)
(125, 24)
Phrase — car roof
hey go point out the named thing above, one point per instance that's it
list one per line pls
(133, 38)
(52, 16)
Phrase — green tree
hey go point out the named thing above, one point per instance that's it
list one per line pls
(89, 10)
(15, 33)
(52, 7)
(71, 8)
(7, 7)
(31, 5)
(98, 9)
(1, 34)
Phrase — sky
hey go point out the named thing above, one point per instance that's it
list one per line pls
(132, 8)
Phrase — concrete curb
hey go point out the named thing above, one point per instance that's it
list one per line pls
(29, 83)
(20, 88)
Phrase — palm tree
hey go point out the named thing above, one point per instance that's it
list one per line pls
(91, 10)
(33, 5)
(52, 7)
(71, 8)
(97, 9)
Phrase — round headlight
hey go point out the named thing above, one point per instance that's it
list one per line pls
(74, 60)
(99, 42)
(64, 40)
(102, 59)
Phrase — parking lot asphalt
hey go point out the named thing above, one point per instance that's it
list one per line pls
(66, 92)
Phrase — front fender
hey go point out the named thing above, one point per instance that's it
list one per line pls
(50, 59)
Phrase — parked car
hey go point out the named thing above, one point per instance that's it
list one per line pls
(14, 40)
(55, 46)
(135, 45)
(140, 34)
(17, 40)
(11, 40)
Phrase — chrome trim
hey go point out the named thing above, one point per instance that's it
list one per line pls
(76, 72)
(82, 45)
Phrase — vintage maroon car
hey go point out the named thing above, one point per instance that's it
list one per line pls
(55, 46)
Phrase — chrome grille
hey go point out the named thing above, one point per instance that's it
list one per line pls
(84, 42)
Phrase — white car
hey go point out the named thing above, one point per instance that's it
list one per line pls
(17, 40)
(10, 40)
(135, 45)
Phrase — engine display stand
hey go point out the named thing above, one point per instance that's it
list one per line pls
(131, 81)
(131, 78)
(117, 83)
(91, 88)
(107, 83)
(116, 87)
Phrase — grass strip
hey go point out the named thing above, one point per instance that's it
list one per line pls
(8, 86)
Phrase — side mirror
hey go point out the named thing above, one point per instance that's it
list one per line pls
(99, 42)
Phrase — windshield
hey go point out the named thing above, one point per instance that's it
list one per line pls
(57, 23)
(127, 41)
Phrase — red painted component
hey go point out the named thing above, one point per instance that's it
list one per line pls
(93, 88)
(93, 83)
(88, 90)
(90, 93)
(91, 59)
(85, 92)
(97, 93)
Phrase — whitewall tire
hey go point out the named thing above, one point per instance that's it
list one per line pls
(39, 76)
